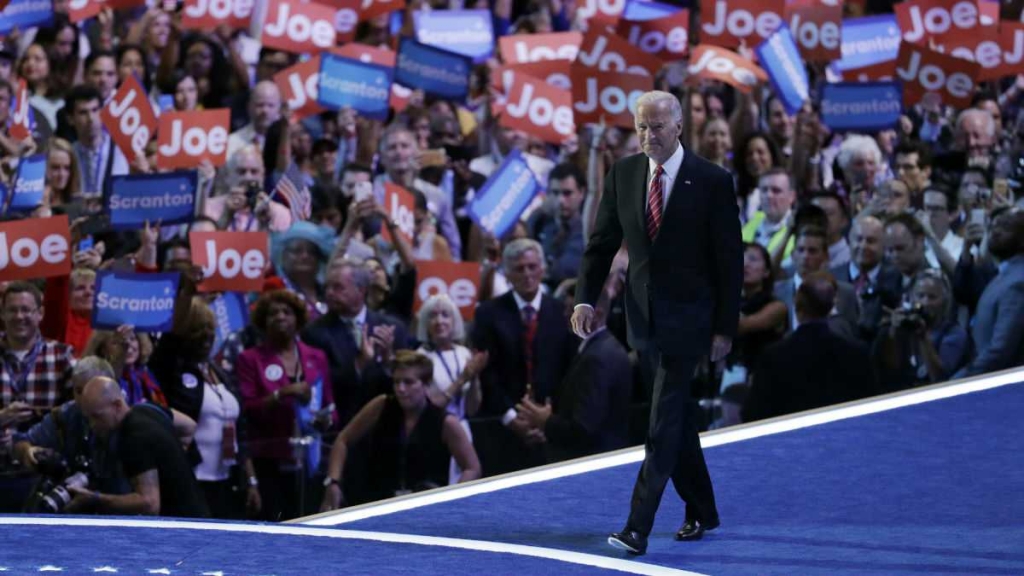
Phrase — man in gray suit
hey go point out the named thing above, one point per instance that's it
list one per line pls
(811, 255)
(997, 329)
(878, 285)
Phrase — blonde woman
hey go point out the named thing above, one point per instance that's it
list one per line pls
(63, 175)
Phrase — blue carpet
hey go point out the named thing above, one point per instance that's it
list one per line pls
(936, 488)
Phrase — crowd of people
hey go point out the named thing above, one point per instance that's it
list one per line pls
(872, 263)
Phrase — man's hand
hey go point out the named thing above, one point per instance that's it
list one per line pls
(91, 258)
(536, 415)
(15, 413)
(720, 347)
(83, 500)
(300, 390)
(583, 320)
(974, 233)
(527, 433)
(253, 502)
(149, 236)
(383, 339)
(333, 498)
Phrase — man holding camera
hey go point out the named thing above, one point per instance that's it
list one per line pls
(150, 453)
(246, 207)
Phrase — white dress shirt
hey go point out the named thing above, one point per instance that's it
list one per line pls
(668, 179)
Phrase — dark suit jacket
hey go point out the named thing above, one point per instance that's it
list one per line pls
(886, 292)
(685, 285)
(352, 390)
(498, 328)
(997, 330)
(843, 323)
(591, 405)
(810, 368)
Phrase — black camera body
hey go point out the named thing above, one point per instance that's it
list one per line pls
(52, 494)
(914, 315)
(252, 192)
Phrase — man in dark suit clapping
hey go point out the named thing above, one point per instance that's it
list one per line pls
(677, 214)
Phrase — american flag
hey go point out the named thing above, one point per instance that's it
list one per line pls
(291, 187)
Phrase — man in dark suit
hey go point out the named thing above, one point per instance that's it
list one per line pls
(677, 214)
(590, 412)
(529, 347)
(812, 367)
(997, 329)
(358, 341)
(877, 284)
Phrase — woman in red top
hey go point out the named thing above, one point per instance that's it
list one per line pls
(274, 378)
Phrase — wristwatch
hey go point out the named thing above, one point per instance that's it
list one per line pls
(253, 482)
(328, 481)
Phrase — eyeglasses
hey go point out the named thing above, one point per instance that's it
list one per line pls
(15, 312)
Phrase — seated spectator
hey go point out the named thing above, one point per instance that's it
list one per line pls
(997, 328)
(199, 388)
(588, 412)
(921, 343)
(149, 453)
(275, 379)
(812, 367)
(128, 352)
(411, 440)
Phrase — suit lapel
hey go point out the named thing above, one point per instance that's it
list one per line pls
(679, 195)
(641, 198)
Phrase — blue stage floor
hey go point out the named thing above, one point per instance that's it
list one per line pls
(936, 487)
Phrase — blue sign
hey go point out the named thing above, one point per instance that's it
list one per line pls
(437, 72)
(861, 106)
(642, 10)
(25, 14)
(505, 195)
(868, 41)
(230, 315)
(168, 197)
(305, 416)
(165, 102)
(366, 88)
(780, 58)
(145, 301)
(466, 32)
(28, 184)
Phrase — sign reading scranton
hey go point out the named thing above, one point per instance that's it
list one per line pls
(466, 32)
(505, 195)
(346, 83)
(145, 301)
(780, 57)
(868, 41)
(168, 198)
(861, 106)
(437, 72)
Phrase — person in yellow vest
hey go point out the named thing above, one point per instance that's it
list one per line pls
(769, 227)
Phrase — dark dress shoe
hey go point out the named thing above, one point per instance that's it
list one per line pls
(629, 540)
(694, 530)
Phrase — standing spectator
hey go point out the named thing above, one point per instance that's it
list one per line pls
(561, 234)
(97, 155)
(68, 302)
(755, 155)
(997, 328)
(411, 440)
(914, 168)
(128, 352)
(943, 245)
(921, 343)
(769, 227)
(716, 142)
(812, 367)
(809, 256)
(246, 206)
(63, 177)
(300, 257)
(529, 347)
(47, 97)
(838, 222)
(274, 378)
(904, 247)
(878, 284)
(264, 110)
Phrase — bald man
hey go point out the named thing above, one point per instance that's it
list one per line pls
(264, 110)
(151, 457)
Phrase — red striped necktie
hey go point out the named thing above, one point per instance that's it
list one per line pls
(654, 204)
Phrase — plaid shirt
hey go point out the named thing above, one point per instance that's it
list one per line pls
(47, 383)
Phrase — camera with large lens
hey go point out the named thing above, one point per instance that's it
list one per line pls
(913, 316)
(53, 493)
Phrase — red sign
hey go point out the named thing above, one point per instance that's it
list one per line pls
(345, 19)
(1011, 39)
(459, 280)
(79, 10)
(538, 109)
(728, 22)
(816, 29)
(36, 248)
(208, 14)
(372, 8)
(124, 4)
(400, 204)
(920, 20)
(667, 38)
(367, 54)
(716, 63)
(130, 119)
(298, 27)
(923, 70)
(881, 71)
(231, 261)
(552, 72)
(997, 57)
(609, 53)
(188, 138)
(600, 13)
(523, 48)
(609, 95)
(20, 128)
(299, 85)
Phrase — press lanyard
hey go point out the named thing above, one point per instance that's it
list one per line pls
(458, 369)
(20, 383)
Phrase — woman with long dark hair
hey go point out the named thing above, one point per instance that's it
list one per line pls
(754, 156)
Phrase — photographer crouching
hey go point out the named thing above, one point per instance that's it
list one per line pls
(919, 343)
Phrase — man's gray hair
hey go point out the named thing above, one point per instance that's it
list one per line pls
(656, 97)
(396, 128)
(858, 145)
(360, 273)
(91, 367)
(517, 248)
(231, 179)
(984, 115)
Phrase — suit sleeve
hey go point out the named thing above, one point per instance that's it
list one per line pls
(1006, 335)
(727, 256)
(758, 405)
(495, 402)
(604, 242)
(590, 405)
